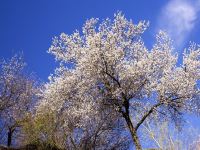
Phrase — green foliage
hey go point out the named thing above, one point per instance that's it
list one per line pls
(40, 130)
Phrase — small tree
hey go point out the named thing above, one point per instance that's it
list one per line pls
(16, 94)
(111, 66)
(40, 131)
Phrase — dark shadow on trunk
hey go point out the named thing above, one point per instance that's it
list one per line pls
(10, 134)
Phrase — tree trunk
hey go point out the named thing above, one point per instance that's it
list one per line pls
(133, 132)
(10, 133)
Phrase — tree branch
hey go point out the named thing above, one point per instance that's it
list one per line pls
(154, 108)
(147, 114)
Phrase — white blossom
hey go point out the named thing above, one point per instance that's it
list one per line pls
(111, 65)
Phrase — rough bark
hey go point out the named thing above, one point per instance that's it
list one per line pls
(133, 132)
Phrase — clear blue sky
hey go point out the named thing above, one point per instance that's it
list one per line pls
(29, 26)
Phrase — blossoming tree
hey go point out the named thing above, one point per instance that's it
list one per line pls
(107, 64)
(17, 90)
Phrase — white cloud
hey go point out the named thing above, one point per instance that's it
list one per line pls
(178, 18)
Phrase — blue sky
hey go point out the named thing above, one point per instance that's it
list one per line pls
(29, 26)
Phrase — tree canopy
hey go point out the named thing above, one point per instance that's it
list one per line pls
(106, 68)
